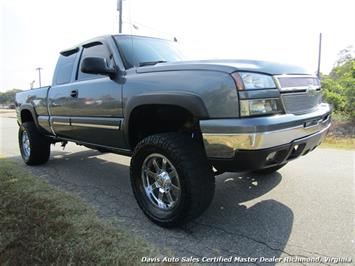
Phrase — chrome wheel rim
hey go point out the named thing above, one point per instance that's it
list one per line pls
(26, 148)
(161, 182)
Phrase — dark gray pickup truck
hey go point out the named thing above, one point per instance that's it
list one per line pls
(183, 122)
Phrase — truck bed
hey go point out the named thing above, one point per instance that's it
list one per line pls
(37, 98)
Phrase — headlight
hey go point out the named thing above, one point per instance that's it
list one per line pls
(260, 107)
(253, 81)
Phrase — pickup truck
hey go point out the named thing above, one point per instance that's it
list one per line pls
(182, 122)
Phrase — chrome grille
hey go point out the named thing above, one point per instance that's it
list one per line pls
(301, 102)
(296, 82)
(299, 93)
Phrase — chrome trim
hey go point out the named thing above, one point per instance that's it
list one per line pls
(224, 145)
(295, 76)
(95, 126)
(61, 123)
(288, 89)
(303, 88)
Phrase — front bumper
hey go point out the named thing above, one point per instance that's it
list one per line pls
(247, 142)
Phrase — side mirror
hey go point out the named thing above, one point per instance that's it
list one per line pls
(96, 65)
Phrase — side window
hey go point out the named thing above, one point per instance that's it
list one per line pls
(64, 69)
(99, 50)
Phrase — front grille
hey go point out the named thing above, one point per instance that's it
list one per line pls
(299, 93)
(301, 102)
(298, 82)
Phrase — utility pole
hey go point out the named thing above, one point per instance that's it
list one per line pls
(39, 75)
(119, 9)
(319, 54)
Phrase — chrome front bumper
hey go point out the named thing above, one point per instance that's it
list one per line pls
(228, 140)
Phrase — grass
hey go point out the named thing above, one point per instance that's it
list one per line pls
(40, 225)
(338, 143)
(341, 133)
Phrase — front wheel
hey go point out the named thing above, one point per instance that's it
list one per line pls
(171, 178)
(34, 147)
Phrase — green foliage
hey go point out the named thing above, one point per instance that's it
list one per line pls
(8, 97)
(339, 85)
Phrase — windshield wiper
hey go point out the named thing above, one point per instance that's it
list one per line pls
(151, 63)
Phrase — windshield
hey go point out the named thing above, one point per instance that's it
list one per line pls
(138, 50)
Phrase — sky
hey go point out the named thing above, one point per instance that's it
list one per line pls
(33, 32)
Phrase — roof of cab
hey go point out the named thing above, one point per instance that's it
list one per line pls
(76, 48)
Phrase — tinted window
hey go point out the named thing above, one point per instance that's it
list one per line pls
(99, 50)
(64, 68)
(138, 50)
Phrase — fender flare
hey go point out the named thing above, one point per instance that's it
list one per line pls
(189, 101)
(31, 109)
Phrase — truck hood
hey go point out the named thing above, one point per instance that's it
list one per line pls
(227, 65)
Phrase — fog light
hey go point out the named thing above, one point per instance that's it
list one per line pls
(260, 107)
(271, 156)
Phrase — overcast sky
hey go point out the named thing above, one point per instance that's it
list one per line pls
(33, 32)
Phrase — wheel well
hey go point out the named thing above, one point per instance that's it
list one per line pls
(26, 116)
(153, 119)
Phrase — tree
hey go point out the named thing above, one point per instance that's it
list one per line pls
(345, 55)
(8, 97)
(339, 85)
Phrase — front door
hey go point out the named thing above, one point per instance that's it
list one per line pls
(93, 104)
(96, 111)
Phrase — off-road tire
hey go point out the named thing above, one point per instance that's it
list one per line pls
(39, 145)
(194, 171)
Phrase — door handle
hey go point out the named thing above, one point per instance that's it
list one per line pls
(74, 93)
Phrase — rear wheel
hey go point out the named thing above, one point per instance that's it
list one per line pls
(34, 147)
(171, 178)
(270, 170)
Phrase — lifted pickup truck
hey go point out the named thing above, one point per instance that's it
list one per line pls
(182, 122)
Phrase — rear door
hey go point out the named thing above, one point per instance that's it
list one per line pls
(59, 99)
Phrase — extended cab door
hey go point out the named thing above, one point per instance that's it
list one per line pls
(93, 103)
(58, 96)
